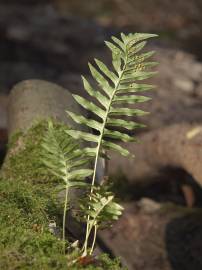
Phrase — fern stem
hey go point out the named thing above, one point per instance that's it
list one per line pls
(85, 245)
(64, 216)
(104, 124)
(100, 142)
(94, 240)
(88, 230)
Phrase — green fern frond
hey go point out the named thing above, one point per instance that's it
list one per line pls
(64, 159)
(100, 209)
(115, 88)
(115, 91)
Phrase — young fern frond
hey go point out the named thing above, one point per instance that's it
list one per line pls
(114, 88)
(101, 210)
(64, 159)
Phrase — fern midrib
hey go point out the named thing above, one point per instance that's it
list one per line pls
(65, 179)
(105, 120)
(99, 146)
(66, 200)
(94, 221)
(66, 192)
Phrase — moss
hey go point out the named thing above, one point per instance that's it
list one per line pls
(28, 201)
(25, 241)
(23, 160)
(14, 138)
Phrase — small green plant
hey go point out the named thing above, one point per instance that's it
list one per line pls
(115, 91)
(64, 159)
(99, 209)
(29, 207)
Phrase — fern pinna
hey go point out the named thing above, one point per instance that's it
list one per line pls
(115, 91)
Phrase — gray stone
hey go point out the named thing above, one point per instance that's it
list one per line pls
(34, 100)
(184, 84)
(3, 111)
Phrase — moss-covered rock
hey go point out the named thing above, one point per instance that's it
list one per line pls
(28, 203)
(24, 153)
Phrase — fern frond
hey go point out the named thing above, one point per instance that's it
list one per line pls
(101, 207)
(115, 88)
(63, 157)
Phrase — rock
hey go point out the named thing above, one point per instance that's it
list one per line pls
(166, 238)
(33, 100)
(3, 126)
(176, 146)
(185, 85)
(3, 111)
(198, 90)
(148, 206)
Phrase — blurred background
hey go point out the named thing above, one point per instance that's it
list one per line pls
(48, 38)
(54, 40)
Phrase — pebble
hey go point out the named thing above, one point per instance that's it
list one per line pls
(184, 84)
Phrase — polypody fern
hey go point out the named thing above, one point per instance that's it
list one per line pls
(100, 210)
(115, 88)
(64, 159)
(112, 96)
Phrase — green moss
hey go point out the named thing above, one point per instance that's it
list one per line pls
(25, 240)
(23, 161)
(28, 201)
(14, 138)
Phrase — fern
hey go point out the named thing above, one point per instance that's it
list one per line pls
(101, 210)
(115, 91)
(63, 158)
(112, 87)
